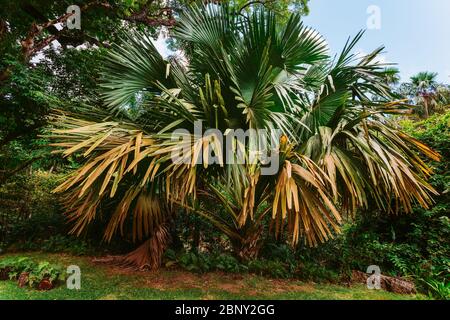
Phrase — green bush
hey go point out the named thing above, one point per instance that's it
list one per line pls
(438, 289)
(45, 270)
(28, 209)
(14, 266)
(270, 268)
(204, 262)
(36, 272)
(31, 217)
(57, 244)
(228, 263)
(195, 262)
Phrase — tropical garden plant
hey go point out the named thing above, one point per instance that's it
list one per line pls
(338, 150)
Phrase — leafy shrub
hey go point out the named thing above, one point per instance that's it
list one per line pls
(35, 273)
(45, 270)
(204, 262)
(439, 289)
(194, 262)
(60, 243)
(32, 219)
(228, 263)
(270, 268)
(14, 266)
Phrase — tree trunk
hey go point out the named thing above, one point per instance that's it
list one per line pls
(249, 247)
(196, 236)
(426, 111)
(148, 256)
(390, 284)
(5, 175)
(3, 28)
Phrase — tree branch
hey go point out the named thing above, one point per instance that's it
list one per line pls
(29, 47)
(250, 3)
(3, 28)
(6, 174)
(157, 19)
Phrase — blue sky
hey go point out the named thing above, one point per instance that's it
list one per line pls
(416, 33)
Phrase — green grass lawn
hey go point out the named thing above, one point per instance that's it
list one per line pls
(108, 282)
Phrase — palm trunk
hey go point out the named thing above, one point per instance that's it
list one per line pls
(148, 256)
(196, 236)
(426, 111)
(249, 246)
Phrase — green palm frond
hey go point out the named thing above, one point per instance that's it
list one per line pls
(134, 66)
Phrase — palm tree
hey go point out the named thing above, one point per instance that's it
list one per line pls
(428, 95)
(392, 76)
(338, 151)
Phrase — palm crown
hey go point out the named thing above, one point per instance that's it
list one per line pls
(427, 94)
(338, 152)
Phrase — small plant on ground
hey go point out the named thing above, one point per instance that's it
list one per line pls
(42, 275)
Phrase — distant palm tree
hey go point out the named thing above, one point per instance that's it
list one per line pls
(428, 95)
(392, 76)
(338, 152)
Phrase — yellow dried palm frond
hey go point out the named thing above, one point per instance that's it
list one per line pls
(302, 199)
